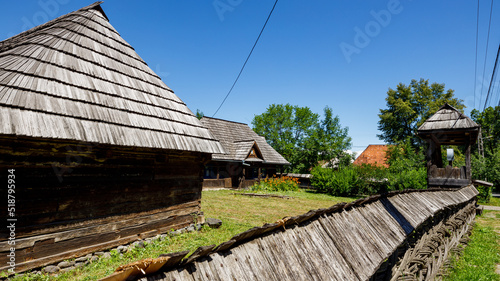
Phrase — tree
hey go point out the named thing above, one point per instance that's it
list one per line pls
(406, 167)
(409, 106)
(301, 137)
(489, 120)
(488, 167)
(199, 114)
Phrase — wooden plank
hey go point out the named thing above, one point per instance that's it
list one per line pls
(448, 182)
(75, 246)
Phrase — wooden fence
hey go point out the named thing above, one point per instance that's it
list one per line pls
(400, 236)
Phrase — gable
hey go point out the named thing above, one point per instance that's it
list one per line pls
(237, 140)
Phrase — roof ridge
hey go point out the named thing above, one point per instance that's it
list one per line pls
(229, 121)
(245, 140)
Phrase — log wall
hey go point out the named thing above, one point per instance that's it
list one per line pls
(77, 198)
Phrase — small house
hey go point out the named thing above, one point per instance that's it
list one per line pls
(100, 150)
(448, 126)
(247, 157)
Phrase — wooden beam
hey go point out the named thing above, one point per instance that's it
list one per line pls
(468, 165)
(447, 182)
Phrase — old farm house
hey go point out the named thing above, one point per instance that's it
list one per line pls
(104, 152)
(247, 159)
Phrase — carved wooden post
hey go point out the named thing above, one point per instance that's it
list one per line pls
(468, 165)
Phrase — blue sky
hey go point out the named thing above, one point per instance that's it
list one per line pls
(344, 54)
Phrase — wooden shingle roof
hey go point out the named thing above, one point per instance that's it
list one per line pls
(448, 118)
(75, 78)
(449, 126)
(238, 139)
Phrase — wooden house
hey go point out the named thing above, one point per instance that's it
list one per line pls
(374, 154)
(448, 126)
(247, 158)
(101, 151)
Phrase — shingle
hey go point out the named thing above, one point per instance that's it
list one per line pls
(237, 140)
(77, 69)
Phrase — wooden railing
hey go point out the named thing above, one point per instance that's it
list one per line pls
(448, 176)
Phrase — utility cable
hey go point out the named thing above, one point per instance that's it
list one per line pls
(251, 51)
(486, 54)
(492, 78)
(475, 62)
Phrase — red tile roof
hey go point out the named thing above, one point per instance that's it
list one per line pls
(374, 154)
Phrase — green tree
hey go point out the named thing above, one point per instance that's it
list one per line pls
(488, 167)
(406, 167)
(489, 120)
(301, 136)
(409, 106)
(199, 114)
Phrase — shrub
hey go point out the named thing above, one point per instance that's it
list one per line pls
(372, 179)
(340, 182)
(408, 179)
(484, 193)
(406, 167)
(487, 168)
(277, 184)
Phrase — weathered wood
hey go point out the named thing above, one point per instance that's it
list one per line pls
(131, 194)
(448, 182)
(263, 195)
(468, 165)
(84, 243)
(339, 243)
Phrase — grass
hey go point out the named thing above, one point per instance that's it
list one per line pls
(238, 213)
(482, 254)
(494, 201)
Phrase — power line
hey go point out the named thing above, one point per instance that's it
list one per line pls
(251, 51)
(475, 62)
(492, 78)
(486, 54)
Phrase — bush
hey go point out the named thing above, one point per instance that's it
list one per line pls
(406, 171)
(487, 168)
(408, 179)
(342, 182)
(277, 184)
(406, 167)
(373, 179)
(484, 193)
